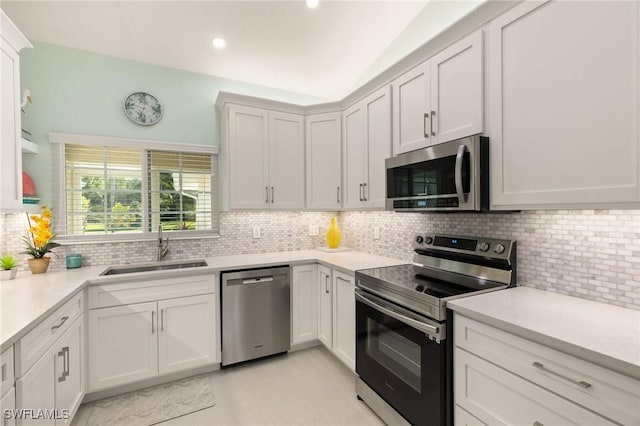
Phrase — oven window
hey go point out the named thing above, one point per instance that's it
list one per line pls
(398, 354)
(433, 177)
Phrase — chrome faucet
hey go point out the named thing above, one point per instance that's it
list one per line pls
(163, 246)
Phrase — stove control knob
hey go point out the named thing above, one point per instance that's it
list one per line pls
(428, 240)
(499, 249)
(483, 246)
(419, 239)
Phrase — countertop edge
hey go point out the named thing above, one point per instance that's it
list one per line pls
(600, 359)
(312, 257)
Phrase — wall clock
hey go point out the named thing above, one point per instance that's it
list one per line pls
(143, 108)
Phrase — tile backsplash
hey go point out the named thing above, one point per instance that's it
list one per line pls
(593, 254)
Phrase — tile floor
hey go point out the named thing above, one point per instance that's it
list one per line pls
(309, 387)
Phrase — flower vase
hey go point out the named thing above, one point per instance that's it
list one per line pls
(333, 234)
(39, 265)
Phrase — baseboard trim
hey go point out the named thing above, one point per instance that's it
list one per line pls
(118, 390)
(305, 345)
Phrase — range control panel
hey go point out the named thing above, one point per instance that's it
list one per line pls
(486, 247)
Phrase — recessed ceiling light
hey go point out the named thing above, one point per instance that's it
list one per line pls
(219, 43)
(312, 4)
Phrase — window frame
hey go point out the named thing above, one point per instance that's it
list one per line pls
(59, 190)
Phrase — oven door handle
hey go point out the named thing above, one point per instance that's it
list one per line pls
(458, 173)
(424, 327)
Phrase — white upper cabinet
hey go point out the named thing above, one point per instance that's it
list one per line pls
(324, 161)
(366, 144)
(11, 42)
(441, 99)
(265, 159)
(564, 105)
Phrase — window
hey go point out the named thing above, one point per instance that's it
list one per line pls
(124, 187)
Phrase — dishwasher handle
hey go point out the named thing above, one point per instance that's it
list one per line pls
(257, 280)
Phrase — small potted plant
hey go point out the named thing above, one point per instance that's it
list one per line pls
(39, 241)
(8, 267)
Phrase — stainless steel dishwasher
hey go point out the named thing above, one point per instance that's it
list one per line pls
(256, 318)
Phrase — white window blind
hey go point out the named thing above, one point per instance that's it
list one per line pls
(107, 190)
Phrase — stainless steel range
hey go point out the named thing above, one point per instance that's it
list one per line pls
(403, 329)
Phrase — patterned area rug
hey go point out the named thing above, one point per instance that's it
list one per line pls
(153, 405)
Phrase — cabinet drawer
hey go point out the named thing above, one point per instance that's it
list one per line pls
(103, 296)
(7, 376)
(609, 393)
(38, 340)
(497, 397)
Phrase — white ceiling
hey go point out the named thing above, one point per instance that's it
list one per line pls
(281, 44)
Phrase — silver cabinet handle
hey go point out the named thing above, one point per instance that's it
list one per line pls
(433, 113)
(424, 125)
(272, 198)
(364, 192)
(4, 372)
(343, 280)
(161, 319)
(266, 189)
(67, 363)
(326, 284)
(458, 173)
(62, 321)
(360, 194)
(153, 314)
(541, 366)
(338, 195)
(63, 377)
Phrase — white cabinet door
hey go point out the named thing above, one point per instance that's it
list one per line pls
(69, 370)
(304, 304)
(324, 161)
(497, 397)
(325, 306)
(344, 318)
(248, 158)
(36, 389)
(564, 105)
(411, 106)
(354, 156)
(377, 109)
(456, 90)
(286, 161)
(187, 333)
(8, 402)
(123, 345)
(11, 158)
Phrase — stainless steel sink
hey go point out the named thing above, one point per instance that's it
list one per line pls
(130, 269)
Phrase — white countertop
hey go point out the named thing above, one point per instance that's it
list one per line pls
(604, 334)
(28, 299)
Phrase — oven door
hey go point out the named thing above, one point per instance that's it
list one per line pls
(399, 357)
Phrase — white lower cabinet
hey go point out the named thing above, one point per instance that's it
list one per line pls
(344, 318)
(337, 314)
(8, 402)
(304, 304)
(135, 342)
(123, 345)
(503, 379)
(187, 335)
(325, 306)
(56, 380)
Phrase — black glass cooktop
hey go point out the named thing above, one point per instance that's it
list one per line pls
(408, 277)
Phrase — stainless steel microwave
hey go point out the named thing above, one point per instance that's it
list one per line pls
(452, 176)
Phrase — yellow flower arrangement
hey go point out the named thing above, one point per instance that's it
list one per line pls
(40, 236)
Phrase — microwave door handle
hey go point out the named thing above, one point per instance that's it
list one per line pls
(425, 328)
(458, 173)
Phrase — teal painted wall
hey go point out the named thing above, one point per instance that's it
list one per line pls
(80, 92)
